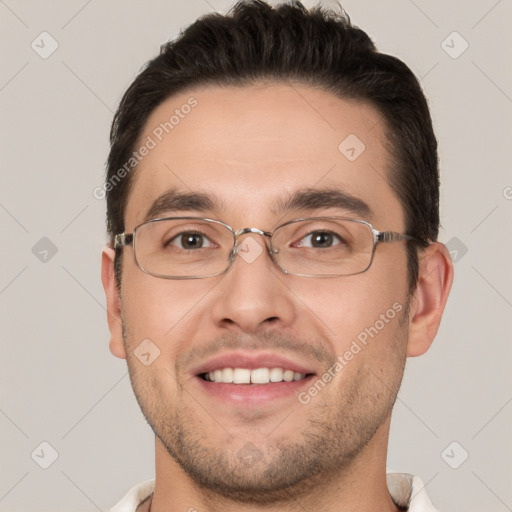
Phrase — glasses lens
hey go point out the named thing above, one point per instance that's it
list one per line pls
(183, 247)
(323, 247)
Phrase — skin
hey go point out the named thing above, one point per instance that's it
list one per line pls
(251, 147)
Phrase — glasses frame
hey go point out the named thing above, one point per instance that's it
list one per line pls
(125, 239)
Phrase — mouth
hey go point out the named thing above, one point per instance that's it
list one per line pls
(249, 378)
(246, 376)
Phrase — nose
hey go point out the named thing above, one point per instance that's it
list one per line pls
(252, 294)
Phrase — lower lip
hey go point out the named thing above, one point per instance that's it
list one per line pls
(241, 394)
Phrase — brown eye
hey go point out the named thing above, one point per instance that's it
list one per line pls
(320, 240)
(190, 240)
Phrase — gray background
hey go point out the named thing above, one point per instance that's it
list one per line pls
(58, 381)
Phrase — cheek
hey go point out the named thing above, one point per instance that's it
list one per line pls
(346, 308)
(161, 310)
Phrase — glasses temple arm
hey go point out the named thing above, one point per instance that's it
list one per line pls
(392, 236)
(123, 239)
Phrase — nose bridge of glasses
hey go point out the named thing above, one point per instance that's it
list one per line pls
(244, 231)
(256, 231)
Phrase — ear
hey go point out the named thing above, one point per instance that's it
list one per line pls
(429, 299)
(115, 323)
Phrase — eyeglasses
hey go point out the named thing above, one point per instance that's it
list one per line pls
(194, 248)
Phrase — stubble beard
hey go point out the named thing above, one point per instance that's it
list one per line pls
(332, 434)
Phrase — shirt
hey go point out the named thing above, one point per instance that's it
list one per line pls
(405, 490)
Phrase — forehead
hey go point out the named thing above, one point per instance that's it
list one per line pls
(252, 147)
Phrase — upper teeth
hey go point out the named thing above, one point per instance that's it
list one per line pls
(257, 376)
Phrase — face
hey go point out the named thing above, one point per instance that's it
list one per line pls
(251, 150)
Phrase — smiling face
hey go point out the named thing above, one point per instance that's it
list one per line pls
(260, 156)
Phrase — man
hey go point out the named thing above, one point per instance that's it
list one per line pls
(272, 203)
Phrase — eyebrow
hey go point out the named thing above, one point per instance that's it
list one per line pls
(173, 201)
(316, 199)
(305, 199)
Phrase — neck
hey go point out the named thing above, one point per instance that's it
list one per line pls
(361, 486)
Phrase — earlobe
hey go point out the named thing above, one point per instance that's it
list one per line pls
(429, 299)
(113, 303)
